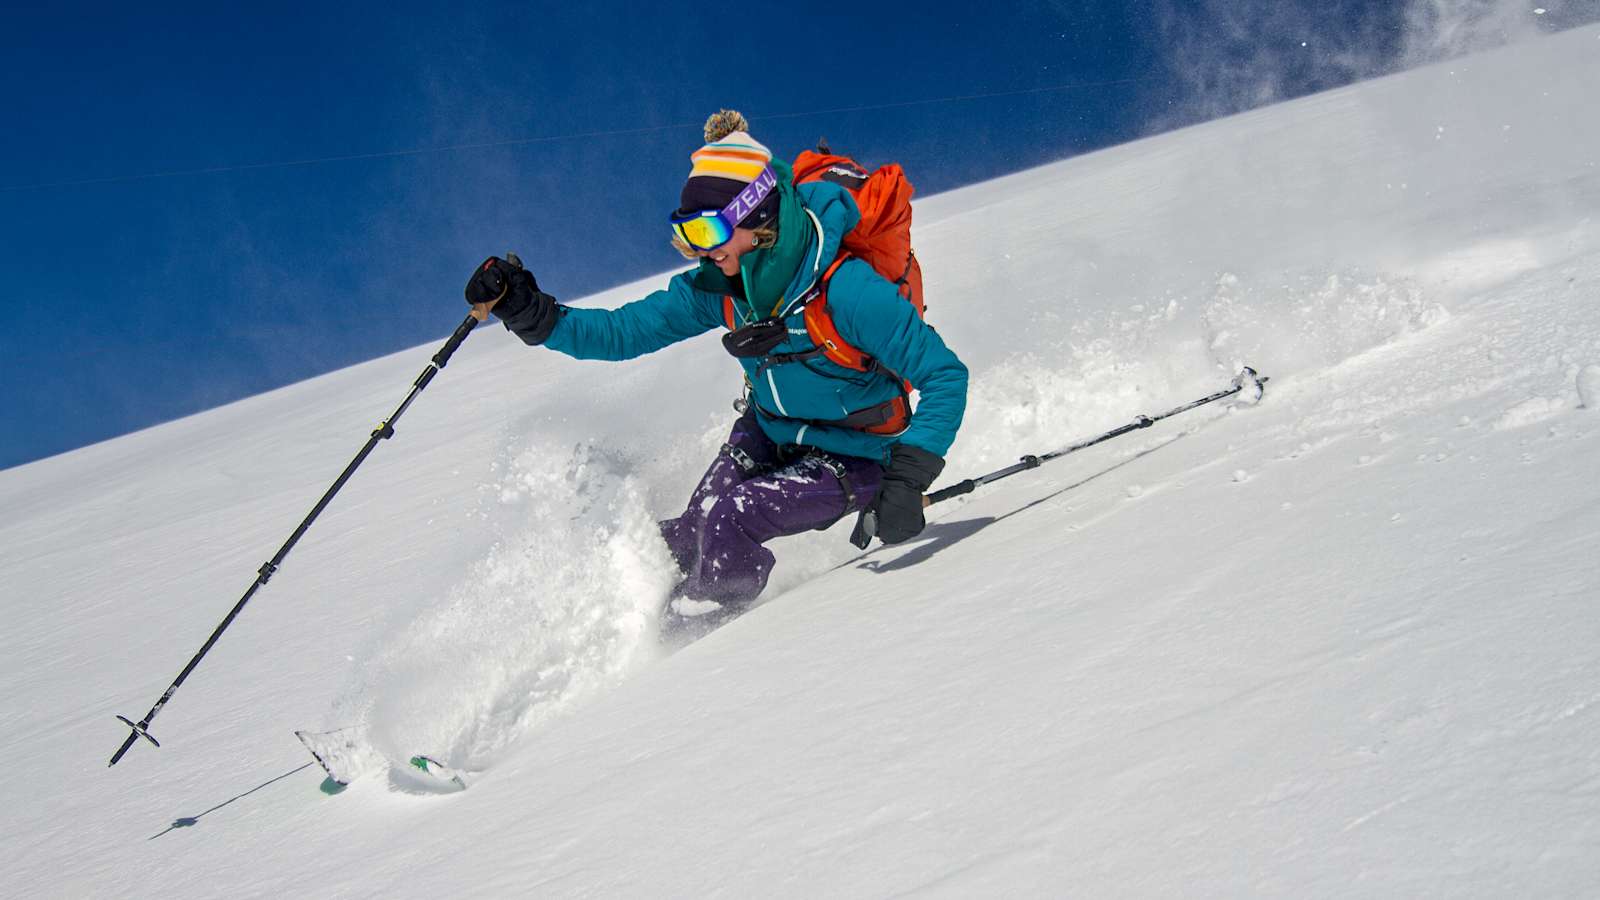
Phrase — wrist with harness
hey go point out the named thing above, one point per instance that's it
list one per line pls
(788, 455)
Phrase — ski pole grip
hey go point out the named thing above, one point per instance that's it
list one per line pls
(954, 490)
(442, 358)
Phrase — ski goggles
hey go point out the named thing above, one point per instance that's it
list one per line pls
(710, 229)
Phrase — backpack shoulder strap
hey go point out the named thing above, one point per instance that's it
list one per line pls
(823, 333)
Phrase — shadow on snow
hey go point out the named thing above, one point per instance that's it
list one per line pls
(940, 535)
(191, 821)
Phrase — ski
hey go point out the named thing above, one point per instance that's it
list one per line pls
(341, 754)
(439, 775)
(344, 756)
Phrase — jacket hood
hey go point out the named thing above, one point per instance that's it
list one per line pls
(831, 213)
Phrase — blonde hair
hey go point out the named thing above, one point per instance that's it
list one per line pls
(766, 236)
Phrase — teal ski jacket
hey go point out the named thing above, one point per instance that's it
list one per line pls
(789, 398)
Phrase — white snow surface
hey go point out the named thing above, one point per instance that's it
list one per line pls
(1342, 642)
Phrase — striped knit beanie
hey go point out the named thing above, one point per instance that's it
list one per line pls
(728, 162)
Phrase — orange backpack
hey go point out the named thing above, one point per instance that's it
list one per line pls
(883, 236)
(883, 239)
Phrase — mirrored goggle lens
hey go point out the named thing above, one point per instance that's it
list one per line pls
(705, 232)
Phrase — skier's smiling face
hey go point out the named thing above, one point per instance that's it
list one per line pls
(726, 257)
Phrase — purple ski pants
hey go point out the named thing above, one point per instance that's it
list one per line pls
(751, 494)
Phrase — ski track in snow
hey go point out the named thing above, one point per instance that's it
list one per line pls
(1340, 642)
(563, 605)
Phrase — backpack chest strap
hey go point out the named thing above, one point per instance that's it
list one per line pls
(783, 359)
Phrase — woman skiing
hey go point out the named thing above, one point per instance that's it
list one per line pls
(817, 439)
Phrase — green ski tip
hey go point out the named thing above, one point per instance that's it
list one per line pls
(438, 771)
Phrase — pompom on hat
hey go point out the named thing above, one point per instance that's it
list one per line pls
(730, 160)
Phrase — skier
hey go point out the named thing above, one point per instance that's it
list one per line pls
(816, 440)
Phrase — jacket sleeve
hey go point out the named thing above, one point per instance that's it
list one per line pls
(873, 317)
(644, 326)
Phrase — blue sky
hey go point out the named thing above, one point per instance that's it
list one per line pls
(199, 202)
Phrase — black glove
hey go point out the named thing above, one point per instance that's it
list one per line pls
(526, 311)
(896, 514)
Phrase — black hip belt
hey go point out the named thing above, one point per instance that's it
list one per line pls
(889, 417)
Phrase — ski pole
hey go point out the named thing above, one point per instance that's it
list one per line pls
(384, 431)
(1247, 379)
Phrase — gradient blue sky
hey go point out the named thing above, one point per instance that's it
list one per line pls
(199, 202)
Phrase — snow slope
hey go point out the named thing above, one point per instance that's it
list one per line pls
(1340, 643)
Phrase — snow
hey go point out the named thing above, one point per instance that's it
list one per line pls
(1531, 411)
(1589, 387)
(1338, 642)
